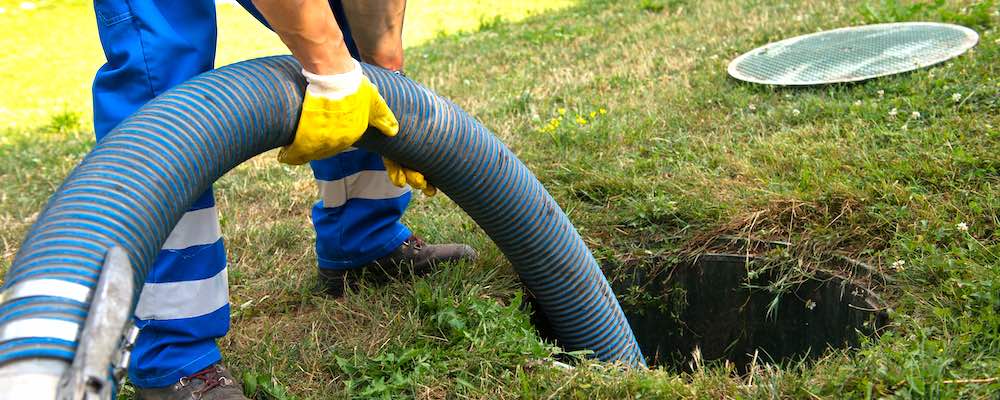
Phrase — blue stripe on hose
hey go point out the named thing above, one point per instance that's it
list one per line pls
(157, 161)
(95, 197)
(60, 248)
(36, 347)
(518, 187)
(36, 300)
(38, 351)
(46, 313)
(569, 281)
(84, 223)
(541, 272)
(80, 276)
(136, 189)
(138, 181)
(581, 306)
(535, 216)
(229, 106)
(126, 224)
(195, 107)
(65, 255)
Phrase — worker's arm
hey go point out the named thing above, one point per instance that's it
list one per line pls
(377, 28)
(309, 30)
(340, 102)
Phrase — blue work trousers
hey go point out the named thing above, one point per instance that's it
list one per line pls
(151, 46)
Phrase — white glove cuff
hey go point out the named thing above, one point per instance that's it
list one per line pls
(334, 87)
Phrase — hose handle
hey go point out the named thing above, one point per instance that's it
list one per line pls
(107, 337)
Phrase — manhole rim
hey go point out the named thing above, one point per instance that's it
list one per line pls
(848, 291)
(871, 298)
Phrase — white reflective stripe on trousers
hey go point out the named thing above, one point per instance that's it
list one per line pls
(185, 299)
(372, 185)
(196, 228)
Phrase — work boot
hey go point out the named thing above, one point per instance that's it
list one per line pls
(413, 255)
(212, 383)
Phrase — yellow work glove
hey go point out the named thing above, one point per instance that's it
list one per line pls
(402, 176)
(336, 111)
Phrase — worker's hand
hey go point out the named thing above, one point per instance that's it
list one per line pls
(335, 113)
(402, 176)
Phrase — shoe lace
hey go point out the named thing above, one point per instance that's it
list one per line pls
(213, 378)
(415, 241)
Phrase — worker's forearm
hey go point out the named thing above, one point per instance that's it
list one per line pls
(377, 28)
(309, 30)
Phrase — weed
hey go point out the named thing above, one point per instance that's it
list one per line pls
(264, 387)
(490, 24)
(657, 6)
(65, 122)
(978, 15)
(654, 6)
(459, 327)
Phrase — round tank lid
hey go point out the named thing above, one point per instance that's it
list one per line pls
(853, 54)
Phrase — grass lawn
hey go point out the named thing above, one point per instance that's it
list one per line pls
(51, 50)
(657, 151)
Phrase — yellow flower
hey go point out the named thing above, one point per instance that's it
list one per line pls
(602, 111)
(593, 114)
(580, 120)
(562, 111)
(551, 126)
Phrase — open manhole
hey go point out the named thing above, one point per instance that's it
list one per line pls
(710, 306)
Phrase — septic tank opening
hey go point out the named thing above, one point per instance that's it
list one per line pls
(710, 305)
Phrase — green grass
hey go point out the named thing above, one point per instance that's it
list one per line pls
(681, 154)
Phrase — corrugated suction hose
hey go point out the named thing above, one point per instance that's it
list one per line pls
(137, 182)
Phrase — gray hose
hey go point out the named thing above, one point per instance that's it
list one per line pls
(137, 182)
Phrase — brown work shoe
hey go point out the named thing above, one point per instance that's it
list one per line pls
(413, 255)
(212, 383)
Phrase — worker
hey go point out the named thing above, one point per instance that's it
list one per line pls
(153, 45)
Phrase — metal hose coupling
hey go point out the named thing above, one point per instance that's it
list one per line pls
(105, 339)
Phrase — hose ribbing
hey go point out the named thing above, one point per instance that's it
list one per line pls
(138, 181)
